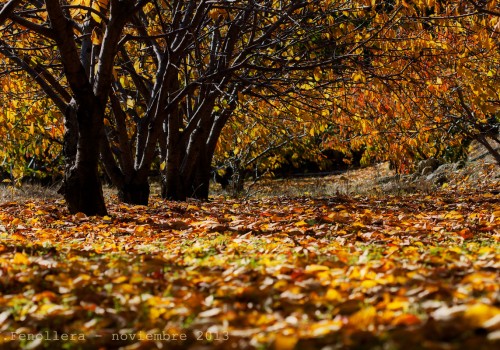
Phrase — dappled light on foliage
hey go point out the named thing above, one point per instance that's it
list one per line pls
(267, 86)
(159, 98)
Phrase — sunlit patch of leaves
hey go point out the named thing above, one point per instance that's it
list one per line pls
(303, 273)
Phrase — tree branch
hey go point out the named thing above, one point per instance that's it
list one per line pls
(7, 10)
(63, 29)
(24, 64)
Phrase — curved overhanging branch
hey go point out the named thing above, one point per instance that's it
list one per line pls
(47, 86)
(8, 9)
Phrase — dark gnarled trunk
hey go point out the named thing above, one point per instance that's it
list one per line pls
(81, 185)
(134, 193)
(188, 170)
(173, 184)
(82, 191)
(132, 187)
(176, 186)
(200, 183)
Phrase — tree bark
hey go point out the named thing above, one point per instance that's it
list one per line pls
(201, 177)
(134, 193)
(172, 182)
(81, 185)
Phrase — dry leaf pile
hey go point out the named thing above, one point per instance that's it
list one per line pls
(407, 272)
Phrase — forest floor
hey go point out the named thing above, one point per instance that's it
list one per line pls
(360, 260)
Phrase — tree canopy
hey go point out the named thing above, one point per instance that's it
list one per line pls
(142, 85)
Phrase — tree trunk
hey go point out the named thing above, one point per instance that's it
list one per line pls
(188, 166)
(134, 192)
(193, 183)
(201, 180)
(132, 184)
(132, 187)
(83, 191)
(81, 185)
(172, 182)
(493, 151)
(180, 185)
(187, 174)
(176, 186)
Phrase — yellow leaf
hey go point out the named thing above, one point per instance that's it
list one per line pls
(21, 259)
(368, 284)
(137, 67)
(317, 74)
(325, 327)
(156, 312)
(163, 165)
(95, 16)
(124, 82)
(280, 285)
(364, 126)
(454, 215)
(332, 295)
(315, 268)
(363, 318)
(136, 278)
(96, 38)
(82, 277)
(478, 314)
(285, 342)
(496, 214)
(120, 279)
(32, 129)
(397, 305)
(139, 229)
(355, 274)
(103, 3)
(301, 223)
(357, 76)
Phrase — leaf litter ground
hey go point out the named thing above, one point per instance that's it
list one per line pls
(389, 272)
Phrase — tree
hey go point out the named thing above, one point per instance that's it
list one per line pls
(32, 132)
(51, 30)
(188, 68)
(433, 106)
(151, 84)
(204, 57)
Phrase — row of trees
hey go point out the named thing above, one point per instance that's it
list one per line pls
(143, 83)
